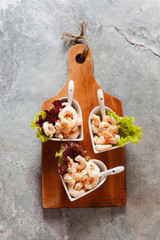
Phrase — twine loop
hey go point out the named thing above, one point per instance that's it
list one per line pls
(76, 38)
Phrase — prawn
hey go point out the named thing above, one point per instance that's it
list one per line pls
(48, 129)
(67, 112)
(114, 139)
(99, 140)
(78, 186)
(73, 135)
(113, 129)
(92, 181)
(69, 180)
(111, 120)
(79, 121)
(65, 104)
(95, 128)
(104, 126)
(58, 126)
(80, 176)
(59, 134)
(95, 119)
(72, 166)
(74, 129)
(106, 134)
(65, 123)
(92, 167)
(76, 193)
(82, 162)
(76, 123)
(100, 148)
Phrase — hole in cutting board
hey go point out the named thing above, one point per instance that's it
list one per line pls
(79, 59)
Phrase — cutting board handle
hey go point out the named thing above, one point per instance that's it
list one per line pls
(78, 67)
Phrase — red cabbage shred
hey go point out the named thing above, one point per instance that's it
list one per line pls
(52, 114)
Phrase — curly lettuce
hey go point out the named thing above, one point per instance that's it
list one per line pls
(128, 131)
(60, 154)
(34, 125)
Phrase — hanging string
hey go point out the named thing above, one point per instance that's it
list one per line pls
(76, 38)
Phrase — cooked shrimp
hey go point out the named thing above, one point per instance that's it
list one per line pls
(65, 123)
(95, 128)
(72, 166)
(76, 193)
(99, 140)
(95, 119)
(58, 126)
(92, 167)
(59, 134)
(82, 162)
(79, 181)
(48, 129)
(67, 112)
(73, 135)
(92, 181)
(71, 162)
(104, 126)
(99, 134)
(114, 139)
(100, 148)
(68, 179)
(75, 124)
(78, 186)
(65, 104)
(106, 134)
(80, 176)
(113, 129)
(66, 130)
(111, 120)
(75, 128)
(79, 121)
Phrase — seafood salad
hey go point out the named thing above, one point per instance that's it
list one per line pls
(61, 121)
(78, 173)
(114, 131)
(105, 132)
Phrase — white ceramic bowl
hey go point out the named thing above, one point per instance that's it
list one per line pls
(102, 167)
(76, 106)
(97, 111)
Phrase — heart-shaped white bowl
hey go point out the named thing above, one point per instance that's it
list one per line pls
(102, 167)
(76, 106)
(97, 111)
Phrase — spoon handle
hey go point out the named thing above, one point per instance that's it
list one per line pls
(70, 91)
(111, 171)
(101, 102)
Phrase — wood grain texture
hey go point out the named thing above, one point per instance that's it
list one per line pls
(113, 191)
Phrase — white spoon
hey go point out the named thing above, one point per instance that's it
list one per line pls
(111, 171)
(101, 102)
(70, 92)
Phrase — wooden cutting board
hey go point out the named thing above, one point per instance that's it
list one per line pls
(113, 191)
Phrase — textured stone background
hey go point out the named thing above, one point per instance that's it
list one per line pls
(125, 41)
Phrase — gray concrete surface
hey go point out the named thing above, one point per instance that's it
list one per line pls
(124, 38)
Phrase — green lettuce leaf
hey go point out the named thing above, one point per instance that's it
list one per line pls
(59, 154)
(34, 125)
(128, 131)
